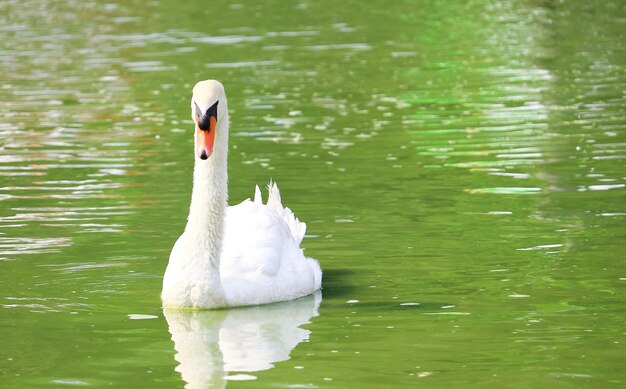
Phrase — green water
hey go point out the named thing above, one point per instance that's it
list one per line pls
(460, 166)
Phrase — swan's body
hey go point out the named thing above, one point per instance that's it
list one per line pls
(246, 254)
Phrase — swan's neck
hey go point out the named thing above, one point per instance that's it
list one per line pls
(192, 277)
(209, 198)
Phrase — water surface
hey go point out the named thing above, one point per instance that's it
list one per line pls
(460, 168)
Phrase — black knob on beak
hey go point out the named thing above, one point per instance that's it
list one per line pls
(204, 122)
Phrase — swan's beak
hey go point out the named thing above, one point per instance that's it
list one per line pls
(205, 138)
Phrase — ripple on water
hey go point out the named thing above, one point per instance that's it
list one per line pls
(11, 247)
(55, 130)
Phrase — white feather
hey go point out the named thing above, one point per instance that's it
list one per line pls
(257, 195)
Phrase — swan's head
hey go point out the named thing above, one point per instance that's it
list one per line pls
(208, 111)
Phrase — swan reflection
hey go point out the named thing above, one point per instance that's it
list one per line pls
(211, 344)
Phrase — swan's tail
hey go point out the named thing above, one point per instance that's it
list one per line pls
(298, 228)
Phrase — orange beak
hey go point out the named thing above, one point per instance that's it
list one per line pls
(206, 139)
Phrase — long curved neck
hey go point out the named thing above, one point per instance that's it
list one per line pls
(209, 199)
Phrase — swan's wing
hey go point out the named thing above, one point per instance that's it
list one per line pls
(255, 239)
(261, 257)
(297, 228)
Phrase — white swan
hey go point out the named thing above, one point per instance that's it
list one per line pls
(246, 254)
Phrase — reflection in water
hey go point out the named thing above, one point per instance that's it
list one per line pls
(210, 344)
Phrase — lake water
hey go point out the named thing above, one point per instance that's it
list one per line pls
(460, 166)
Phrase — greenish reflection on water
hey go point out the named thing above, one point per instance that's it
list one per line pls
(460, 168)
